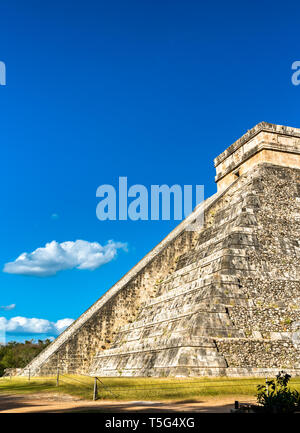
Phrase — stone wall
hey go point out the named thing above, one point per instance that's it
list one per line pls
(231, 304)
(271, 318)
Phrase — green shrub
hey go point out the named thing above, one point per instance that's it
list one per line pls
(276, 397)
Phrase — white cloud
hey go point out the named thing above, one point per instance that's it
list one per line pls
(8, 307)
(23, 325)
(55, 257)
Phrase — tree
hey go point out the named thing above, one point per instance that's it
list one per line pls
(18, 355)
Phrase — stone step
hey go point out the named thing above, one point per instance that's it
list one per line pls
(174, 372)
(221, 280)
(177, 313)
(182, 355)
(206, 344)
(213, 300)
(198, 264)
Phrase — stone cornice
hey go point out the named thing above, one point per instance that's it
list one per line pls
(260, 127)
(276, 147)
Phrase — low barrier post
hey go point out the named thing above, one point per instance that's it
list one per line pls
(95, 394)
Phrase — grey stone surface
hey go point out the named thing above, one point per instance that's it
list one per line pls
(224, 300)
(238, 288)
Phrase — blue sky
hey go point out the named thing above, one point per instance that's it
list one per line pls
(151, 90)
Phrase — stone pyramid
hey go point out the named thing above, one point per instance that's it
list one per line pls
(223, 300)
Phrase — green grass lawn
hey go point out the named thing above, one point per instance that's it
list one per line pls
(137, 388)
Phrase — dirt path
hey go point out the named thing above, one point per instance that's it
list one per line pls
(63, 403)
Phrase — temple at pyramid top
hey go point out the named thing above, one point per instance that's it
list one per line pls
(265, 143)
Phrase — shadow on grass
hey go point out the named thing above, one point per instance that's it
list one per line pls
(8, 402)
